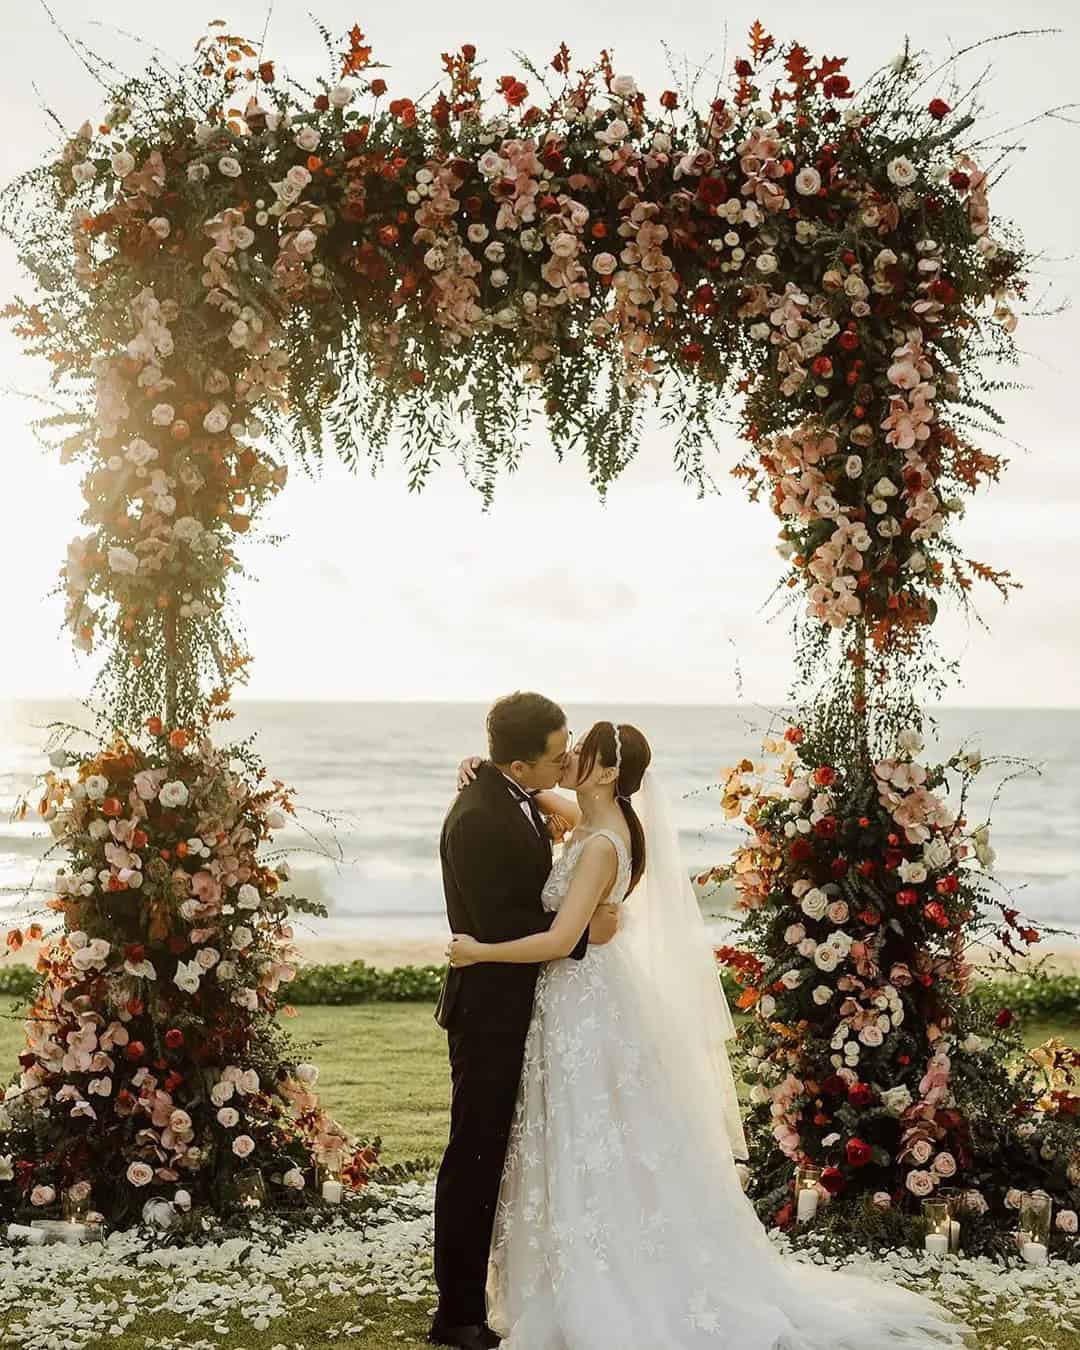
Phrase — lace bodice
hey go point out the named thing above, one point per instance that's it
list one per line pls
(562, 871)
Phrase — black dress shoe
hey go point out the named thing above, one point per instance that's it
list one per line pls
(475, 1336)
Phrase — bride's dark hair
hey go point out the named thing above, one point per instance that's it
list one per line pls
(636, 756)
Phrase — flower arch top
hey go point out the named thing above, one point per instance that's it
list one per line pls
(239, 263)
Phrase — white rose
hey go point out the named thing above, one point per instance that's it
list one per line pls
(229, 165)
(222, 1092)
(187, 528)
(896, 1100)
(207, 958)
(243, 1145)
(217, 419)
(247, 897)
(228, 1116)
(605, 264)
(294, 1179)
(826, 958)
(96, 787)
(901, 171)
(173, 793)
(307, 138)
(122, 163)
(766, 262)
(822, 994)
(871, 1035)
(308, 1074)
(123, 561)
(814, 903)
(242, 937)
(767, 1005)
(187, 976)
(808, 182)
(341, 95)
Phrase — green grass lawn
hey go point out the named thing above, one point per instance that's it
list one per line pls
(384, 1070)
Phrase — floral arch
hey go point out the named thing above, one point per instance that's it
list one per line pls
(228, 263)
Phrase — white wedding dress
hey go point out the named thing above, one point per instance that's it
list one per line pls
(622, 1224)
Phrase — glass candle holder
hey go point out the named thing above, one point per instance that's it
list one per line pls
(1033, 1231)
(954, 1199)
(249, 1189)
(806, 1192)
(75, 1201)
(936, 1216)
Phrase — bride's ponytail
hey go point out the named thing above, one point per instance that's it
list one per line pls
(632, 756)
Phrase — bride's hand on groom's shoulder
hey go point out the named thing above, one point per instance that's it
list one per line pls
(467, 770)
(463, 950)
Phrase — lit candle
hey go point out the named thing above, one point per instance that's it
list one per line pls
(937, 1244)
(1034, 1253)
(808, 1204)
(332, 1191)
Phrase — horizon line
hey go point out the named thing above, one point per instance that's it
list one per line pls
(597, 702)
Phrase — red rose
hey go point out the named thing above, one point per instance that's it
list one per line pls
(833, 1180)
(861, 1095)
(743, 68)
(938, 109)
(960, 181)
(837, 86)
(153, 726)
(174, 1038)
(849, 341)
(839, 867)
(173, 1081)
(936, 914)
(834, 1086)
(513, 90)
(1004, 1018)
(111, 806)
(906, 896)
(712, 191)
(669, 99)
(824, 775)
(378, 87)
(322, 102)
(801, 849)
(822, 365)
(859, 1152)
(468, 51)
(825, 828)
(134, 1050)
(693, 352)
(948, 885)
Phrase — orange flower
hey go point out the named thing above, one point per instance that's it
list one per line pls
(178, 738)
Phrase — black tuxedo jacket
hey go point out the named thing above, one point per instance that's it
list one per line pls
(494, 866)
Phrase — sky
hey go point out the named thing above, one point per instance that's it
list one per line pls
(653, 596)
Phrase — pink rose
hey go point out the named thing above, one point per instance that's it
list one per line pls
(140, 1174)
(1066, 1220)
(944, 1165)
(42, 1195)
(921, 1150)
(882, 1200)
(920, 1183)
(243, 1145)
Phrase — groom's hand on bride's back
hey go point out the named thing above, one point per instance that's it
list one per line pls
(604, 925)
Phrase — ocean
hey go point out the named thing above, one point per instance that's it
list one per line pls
(385, 772)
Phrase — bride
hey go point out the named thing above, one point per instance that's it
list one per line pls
(622, 1223)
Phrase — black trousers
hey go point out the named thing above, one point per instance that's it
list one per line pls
(485, 1068)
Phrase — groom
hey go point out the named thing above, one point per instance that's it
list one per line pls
(496, 856)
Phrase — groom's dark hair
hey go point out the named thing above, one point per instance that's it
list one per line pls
(518, 727)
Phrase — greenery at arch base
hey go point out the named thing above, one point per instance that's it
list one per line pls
(228, 262)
